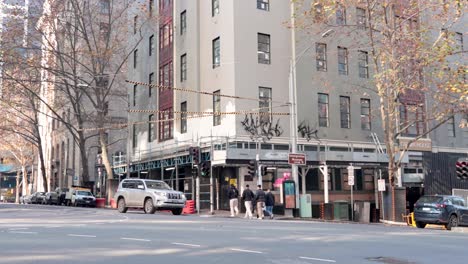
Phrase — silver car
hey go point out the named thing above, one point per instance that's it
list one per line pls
(149, 195)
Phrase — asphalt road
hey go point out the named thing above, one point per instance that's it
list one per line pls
(53, 234)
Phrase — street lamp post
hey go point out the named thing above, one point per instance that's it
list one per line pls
(293, 94)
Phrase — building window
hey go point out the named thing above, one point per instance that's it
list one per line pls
(340, 15)
(363, 62)
(165, 124)
(365, 114)
(135, 87)
(321, 57)
(183, 67)
(104, 30)
(151, 45)
(150, 82)
(217, 108)
(323, 109)
(216, 52)
(361, 18)
(264, 104)
(135, 24)
(183, 22)
(451, 127)
(214, 7)
(134, 136)
(459, 41)
(263, 48)
(318, 12)
(183, 117)
(150, 7)
(165, 75)
(412, 120)
(135, 58)
(150, 128)
(345, 117)
(342, 61)
(105, 6)
(263, 5)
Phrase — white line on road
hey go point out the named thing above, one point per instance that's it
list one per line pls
(247, 251)
(184, 244)
(18, 228)
(135, 239)
(22, 232)
(317, 259)
(74, 235)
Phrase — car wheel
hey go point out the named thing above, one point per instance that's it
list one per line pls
(453, 222)
(420, 225)
(177, 211)
(121, 206)
(149, 206)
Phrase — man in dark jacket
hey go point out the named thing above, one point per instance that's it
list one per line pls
(248, 196)
(269, 203)
(233, 195)
(260, 199)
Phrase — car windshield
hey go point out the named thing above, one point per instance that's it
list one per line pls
(84, 193)
(157, 185)
(430, 199)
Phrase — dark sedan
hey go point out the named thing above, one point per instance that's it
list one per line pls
(450, 211)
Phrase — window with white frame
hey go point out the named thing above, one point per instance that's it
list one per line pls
(150, 82)
(135, 24)
(135, 58)
(183, 22)
(342, 61)
(216, 108)
(183, 117)
(151, 128)
(134, 136)
(135, 87)
(451, 127)
(151, 45)
(323, 110)
(263, 48)
(345, 112)
(365, 114)
(216, 52)
(214, 7)
(183, 68)
(263, 5)
(361, 18)
(264, 103)
(363, 63)
(321, 56)
(459, 41)
(340, 15)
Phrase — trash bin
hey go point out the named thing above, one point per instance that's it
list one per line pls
(306, 205)
(341, 210)
(328, 211)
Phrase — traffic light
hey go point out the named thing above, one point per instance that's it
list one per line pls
(251, 168)
(205, 169)
(195, 171)
(195, 154)
(264, 170)
(462, 170)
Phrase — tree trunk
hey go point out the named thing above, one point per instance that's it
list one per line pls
(17, 186)
(106, 162)
(25, 184)
(84, 160)
(42, 164)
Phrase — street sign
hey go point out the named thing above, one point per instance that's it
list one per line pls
(381, 185)
(350, 175)
(297, 159)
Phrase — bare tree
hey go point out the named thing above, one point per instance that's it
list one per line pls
(410, 50)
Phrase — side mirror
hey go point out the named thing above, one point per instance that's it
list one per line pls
(141, 187)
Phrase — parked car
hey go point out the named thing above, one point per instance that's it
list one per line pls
(83, 198)
(51, 198)
(450, 211)
(149, 195)
(38, 198)
(25, 199)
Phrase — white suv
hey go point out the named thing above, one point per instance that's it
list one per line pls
(150, 195)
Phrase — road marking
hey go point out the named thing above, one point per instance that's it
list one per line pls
(317, 259)
(247, 251)
(19, 228)
(74, 235)
(135, 239)
(184, 244)
(22, 232)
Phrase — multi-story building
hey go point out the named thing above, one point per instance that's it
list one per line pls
(230, 61)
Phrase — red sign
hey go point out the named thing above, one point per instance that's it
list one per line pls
(297, 159)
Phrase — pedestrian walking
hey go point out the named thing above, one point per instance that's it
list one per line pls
(233, 195)
(247, 197)
(269, 202)
(260, 199)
